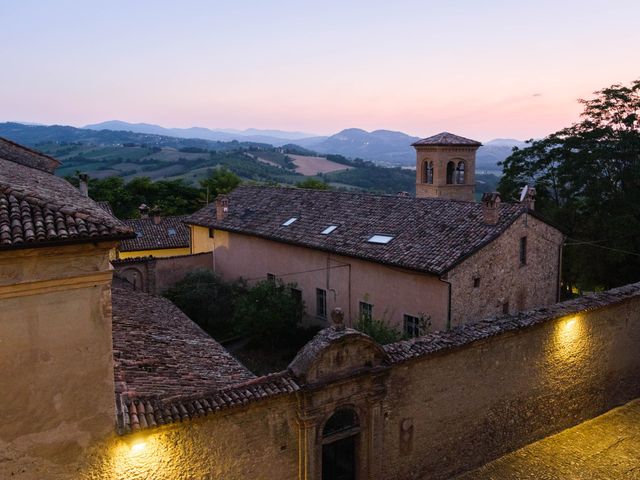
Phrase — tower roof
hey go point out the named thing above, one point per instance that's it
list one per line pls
(446, 138)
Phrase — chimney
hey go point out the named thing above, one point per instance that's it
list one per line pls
(528, 198)
(491, 208)
(222, 207)
(84, 184)
(155, 215)
(144, 211)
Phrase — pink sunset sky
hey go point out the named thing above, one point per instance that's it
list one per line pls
(481, 69)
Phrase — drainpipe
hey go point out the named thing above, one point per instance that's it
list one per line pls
(448, 303)
(559, 276)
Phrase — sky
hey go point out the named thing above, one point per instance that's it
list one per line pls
(483, 69)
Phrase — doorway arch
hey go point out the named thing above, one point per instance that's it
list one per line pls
(340, 437)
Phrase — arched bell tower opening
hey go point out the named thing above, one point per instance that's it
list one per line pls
(445, 167)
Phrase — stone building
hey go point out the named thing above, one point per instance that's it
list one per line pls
(406, 260)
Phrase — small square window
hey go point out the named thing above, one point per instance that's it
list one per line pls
(505, 308)
(171, 231)
(211, 233)
(290, 221)
(411, 326)
(366, 311)
(321, 303)
(138, 234)
(271, 277)
(476, 282)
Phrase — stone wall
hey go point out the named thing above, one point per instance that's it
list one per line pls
(428, 408)
(503, 282)
(155, 275)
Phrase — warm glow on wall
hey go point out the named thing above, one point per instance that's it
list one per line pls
(570, 339)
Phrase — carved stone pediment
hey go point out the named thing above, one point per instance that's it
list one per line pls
(336, 353)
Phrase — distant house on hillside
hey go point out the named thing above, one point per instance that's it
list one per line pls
(398, 258)
(156, 236)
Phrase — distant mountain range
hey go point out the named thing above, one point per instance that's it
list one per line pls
(273, 137)
(384, 147)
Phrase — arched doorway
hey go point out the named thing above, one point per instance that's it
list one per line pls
(339, 446)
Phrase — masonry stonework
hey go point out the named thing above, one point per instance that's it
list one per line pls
(493, 280)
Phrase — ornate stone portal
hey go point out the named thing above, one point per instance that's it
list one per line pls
(343, 374)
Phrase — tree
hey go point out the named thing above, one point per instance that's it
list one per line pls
(268, 313)
(220, 181)
(207, 300)
(313, 184)
(587, 177)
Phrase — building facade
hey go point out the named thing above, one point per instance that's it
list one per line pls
(417, 263)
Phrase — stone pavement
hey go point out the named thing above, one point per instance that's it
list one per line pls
(607, 447)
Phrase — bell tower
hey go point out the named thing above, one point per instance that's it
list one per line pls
(446, 167)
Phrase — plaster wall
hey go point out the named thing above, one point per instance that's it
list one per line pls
(392, 292)
(158, 253)
(56, 368)
(200, 239)
(503, 279)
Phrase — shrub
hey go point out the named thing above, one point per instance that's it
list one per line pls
(378, 330)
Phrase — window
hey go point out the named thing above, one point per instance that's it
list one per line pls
(171, 231)
(428, 172)
(523, 251)
(321, 303)
(380, 238)
(296, 293)
(476, 282)
(211, 233)
(271, 277)
(366, 311)
(329, 229)
(138, 234)
(450, 172)
(289, 222)
(505, 307)
(411, 326)
(460, 173)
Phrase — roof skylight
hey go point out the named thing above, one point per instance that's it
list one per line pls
(329, 229)
(380, 238)
(171, 231)
(289, 222)
(138, 234)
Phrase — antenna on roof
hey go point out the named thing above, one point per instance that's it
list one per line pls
(523, 193)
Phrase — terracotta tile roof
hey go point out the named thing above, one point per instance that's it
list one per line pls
(163, 359)
(106, 206)
(446, 138)
(25, 156)
(39, 209)
(141, 413)
(438, 342)
(170, 232)
(429, 235)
